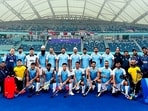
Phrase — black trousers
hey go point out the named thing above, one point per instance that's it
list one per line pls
(136, 87)
(2, 86)
(19, 84)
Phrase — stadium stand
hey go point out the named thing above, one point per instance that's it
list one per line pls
(36, 44)
(90, 44)
(123, 45)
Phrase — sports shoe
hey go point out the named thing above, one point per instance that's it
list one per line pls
(98, 94)
(71, 93)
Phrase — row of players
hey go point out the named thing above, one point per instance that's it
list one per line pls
(78, 78)
(43, 58)
(56, 61)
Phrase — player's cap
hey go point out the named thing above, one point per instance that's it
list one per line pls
(31, 48)
(20, 48)
(134, 50)
(75, 48)
(19, 60)
(42, 47)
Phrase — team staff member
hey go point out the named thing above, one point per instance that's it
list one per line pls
(4, 72)
(20, 72)
(144, 60)
(11, 60)
(136, 57)
(125, 59)
(118, 57)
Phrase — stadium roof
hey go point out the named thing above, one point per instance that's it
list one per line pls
(130, 11)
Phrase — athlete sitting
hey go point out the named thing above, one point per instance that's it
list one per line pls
(65, 80)
(32, 78)
(105, 78)
(49, 77)
(92, 75)
(120, 79)
(79, 78)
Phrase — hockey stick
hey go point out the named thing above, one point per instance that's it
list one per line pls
(23, 90)
(46, 85)
(76, 84)
(127, 96)
(87, 91)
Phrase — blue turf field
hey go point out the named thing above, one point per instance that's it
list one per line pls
(43, 102)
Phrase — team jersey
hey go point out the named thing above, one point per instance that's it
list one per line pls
(30, 59)
(75, 58)
(21, 56)
(20, 71)
(78, 73)
(64, 74)
(51, 58)
(108, 57)
(49, 74)
(63, 58)
(133, 71)
(118, 74)
(144, 60)
(106, 72)
(10, 61)
(32, 73)
(97, 58)
(93, 73)
(85, 58)
(42, 59)
(137, 58)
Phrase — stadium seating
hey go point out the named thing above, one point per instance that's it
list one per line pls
(72, 25)
(91, 44)
(36, 44)
(142, 43)
(6, 44)
(124, 45)
(69, 46)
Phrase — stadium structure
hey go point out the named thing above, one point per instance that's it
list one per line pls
(73, 23)
(101, 23)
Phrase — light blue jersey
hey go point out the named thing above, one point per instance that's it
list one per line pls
(42, 59)
(21, 56)
(51, 58)
(0, 59)
(32, 73)
(63, 58)
(78, 73)
(48, 74)
(75, 58)
(93, 73)
(64, 74)
(117, 73)
(85, 61)
(107, 57)
(106, 72)
(97, 58)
